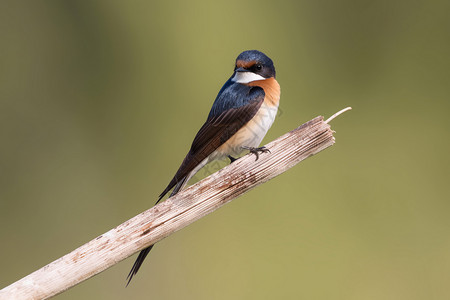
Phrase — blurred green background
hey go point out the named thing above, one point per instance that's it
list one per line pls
(99, 102)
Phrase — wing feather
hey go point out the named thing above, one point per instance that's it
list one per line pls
(216, 131)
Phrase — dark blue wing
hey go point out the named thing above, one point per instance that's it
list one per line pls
(230, 112)
(234, 95)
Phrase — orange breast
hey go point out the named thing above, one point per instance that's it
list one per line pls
(271, 88)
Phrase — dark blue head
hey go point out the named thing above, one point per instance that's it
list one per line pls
(255, 62)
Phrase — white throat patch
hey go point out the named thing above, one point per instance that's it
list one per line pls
(246, 77)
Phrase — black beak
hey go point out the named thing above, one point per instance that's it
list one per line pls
(241, 70)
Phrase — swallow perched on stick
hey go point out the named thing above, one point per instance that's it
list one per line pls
(240, 117)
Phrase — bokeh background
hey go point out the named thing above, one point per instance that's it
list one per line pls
(99, 102)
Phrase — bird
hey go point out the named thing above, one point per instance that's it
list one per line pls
(242, 113)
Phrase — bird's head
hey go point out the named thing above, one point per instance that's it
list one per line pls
(252, 65)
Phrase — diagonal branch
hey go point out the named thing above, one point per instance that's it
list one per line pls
(173, 214)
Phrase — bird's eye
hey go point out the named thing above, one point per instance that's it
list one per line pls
(258, 67)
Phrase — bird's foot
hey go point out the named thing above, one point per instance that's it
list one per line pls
(232, 159)
(256, 151)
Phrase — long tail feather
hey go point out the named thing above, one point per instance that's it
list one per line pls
(137, 264)
(143, 254)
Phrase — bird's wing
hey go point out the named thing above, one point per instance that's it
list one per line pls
(216, 131)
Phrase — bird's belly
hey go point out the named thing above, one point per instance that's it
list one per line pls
(251, 134)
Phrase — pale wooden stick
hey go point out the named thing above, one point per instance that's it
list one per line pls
(337, 114)
(173, 214)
